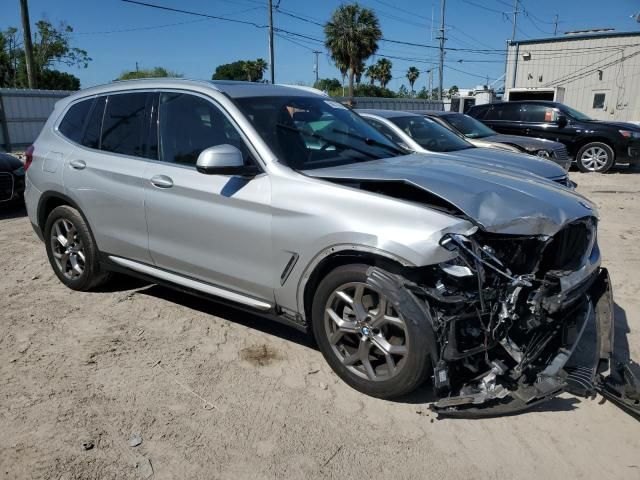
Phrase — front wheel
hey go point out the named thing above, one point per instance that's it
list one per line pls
(595, 157)
(365, 339)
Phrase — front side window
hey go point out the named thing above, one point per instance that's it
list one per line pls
(314, 132)
(430, 135)
(537, 114)
(189, 124)
(123, 127)
(72, 125)
(468, 126)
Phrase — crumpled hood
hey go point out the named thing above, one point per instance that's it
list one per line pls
(8, 163)
(528, 143)
(511, 161)
(510, 203)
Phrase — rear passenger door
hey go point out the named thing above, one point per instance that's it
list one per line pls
(504, 118)
(214, 228)
(104, 174)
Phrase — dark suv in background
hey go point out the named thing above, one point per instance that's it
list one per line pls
(595, 145)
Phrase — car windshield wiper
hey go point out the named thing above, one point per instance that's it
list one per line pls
(371, 141)
(344, 146)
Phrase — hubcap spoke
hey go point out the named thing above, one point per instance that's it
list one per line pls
(343, 325)
(67, 249)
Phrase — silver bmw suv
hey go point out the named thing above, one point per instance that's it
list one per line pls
(404, 267)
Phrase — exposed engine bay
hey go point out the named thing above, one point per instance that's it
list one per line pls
(516, 319)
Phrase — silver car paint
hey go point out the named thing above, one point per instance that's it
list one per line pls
(309, 217)
(513, 162)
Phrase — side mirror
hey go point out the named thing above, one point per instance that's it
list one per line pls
(222, 160)
(561, 120)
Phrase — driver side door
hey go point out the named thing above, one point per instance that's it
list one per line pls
(212, 228)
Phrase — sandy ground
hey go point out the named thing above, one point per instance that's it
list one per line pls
(216, 393)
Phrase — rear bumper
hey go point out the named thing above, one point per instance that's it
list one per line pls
(574, 368)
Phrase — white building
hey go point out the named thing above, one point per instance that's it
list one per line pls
(596, 72)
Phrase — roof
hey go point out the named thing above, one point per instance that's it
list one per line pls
(436, 113)
(387, 113)
(231, 88)
(566, 38)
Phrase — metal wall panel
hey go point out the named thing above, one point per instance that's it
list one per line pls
(23, 113)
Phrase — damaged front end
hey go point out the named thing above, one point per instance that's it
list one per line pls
(517, 319)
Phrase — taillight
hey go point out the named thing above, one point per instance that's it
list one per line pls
(28, 158)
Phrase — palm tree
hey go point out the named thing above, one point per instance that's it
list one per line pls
(351, 35)
(412, 75)
(254, 69)
(359, 72)
(260, 67)
(384, 71)
(372, 73)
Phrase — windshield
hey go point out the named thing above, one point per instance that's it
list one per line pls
(430, 135)
(314, 132)
(576, 114)
(469, 127)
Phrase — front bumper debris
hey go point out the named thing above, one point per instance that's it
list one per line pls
(577, 367)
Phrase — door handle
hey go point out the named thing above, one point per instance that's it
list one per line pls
(78, 164)
(162, 181)
(527, 131)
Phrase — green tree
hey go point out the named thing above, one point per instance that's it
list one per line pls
(352, 35)
(373, 73)
(156, 72)
(403, 92)
(453, 90)
(327, 84)
(51, 47)
(251, 70)
(384, 71)
(412, 75)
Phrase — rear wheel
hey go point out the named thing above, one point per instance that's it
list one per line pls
(595, 157)
(365, 339)
(72, 252)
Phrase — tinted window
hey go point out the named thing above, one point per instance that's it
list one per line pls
(468, 126)
(190, 124)
(506, 111)
(537, 113)
(383, 129)
(72, 124)
(123, 125)
(94, 124)
(431, 135)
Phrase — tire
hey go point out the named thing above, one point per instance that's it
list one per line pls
(72, 251)
(595, 157)
(390, 379)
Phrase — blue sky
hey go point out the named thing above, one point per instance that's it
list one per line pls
(118, 34)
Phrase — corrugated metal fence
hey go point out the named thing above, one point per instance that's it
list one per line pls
(395, 103)
(23, 114)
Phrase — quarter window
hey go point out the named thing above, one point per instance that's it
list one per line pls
(189, 124)
(72, 124)
(123, 125)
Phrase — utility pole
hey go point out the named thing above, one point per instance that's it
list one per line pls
(430, 81)
(442, 39)
(555, 25)
(28, 46)
(516, 4)
(316, 67)
(271, 66)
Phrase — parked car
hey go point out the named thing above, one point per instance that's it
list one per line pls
(478, 134)
(286, 203)
(595, 145)
(11, 179)
(424, 135)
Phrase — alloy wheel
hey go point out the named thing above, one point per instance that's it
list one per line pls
(366, 332)
(67, 249)
(594, 158)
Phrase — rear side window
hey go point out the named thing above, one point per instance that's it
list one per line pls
(72, 125)
(507, 111)
(123, 127)
(94, 124)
